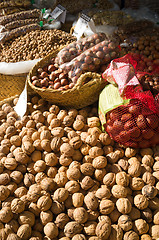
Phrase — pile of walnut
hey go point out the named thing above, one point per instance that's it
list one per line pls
(62, 178)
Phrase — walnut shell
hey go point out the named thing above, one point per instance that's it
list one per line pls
(103, 230)
(72, 228)
(17, 205)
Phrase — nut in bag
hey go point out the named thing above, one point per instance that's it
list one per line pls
(91, 60)
(129, 114)
(74, 49)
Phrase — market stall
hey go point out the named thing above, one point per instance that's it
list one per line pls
(79, 120)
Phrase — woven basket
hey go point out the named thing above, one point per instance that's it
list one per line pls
(83, 94)
(11, 85)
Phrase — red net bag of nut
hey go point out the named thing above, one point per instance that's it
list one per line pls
(128, 113)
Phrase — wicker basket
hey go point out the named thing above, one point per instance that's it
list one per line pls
(11, 85)
(83, 94)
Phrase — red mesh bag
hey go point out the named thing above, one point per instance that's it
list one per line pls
(135, 124)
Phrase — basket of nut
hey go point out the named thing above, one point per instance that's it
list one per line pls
(71, 77)
(82, 95)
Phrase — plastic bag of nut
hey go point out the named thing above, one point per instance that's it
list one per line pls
(91, 59)
(128, 113)
(74, 49)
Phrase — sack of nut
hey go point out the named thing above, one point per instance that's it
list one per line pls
(128, 113)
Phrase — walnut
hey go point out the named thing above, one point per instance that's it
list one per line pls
(154, 231)
(156, 217)
(140, 226)
(106, 206)
(65, 161)
(73, 174)
(72, 186)
(22, 157)
(51, 172)
(44, 203)
(148, 160)
(119, 191)
(93, 122)
(39, 166)
(113, 157)
(17, 205)
(91, 140)
(19, 192)
(149, 191)
(72, 228)
(57, 207)
(78, 125)
(99, 174)
(146, 237)
(99, 162)
(103, 230)
(28, 147)
(29, 179)
(60, 195)
(67, 150)
(109, 179)
(95, 152)
(77, 199)
(131, 235)
(85, 149)
(13, 236)
(87, 169)
(48, 184)
(79, 237)
(91, 201)
(16, 176)
(90, 228)
(36, 155)
(26, 217)
(46, 217)
(61, 220)
(103, 192)
(5, 214)
(125, 222)
(122, 179)
(130, 152)
(148, 178)
(140, 201)
(4, 192)
(134, 169)
(75, 142)
(87, 182)
(136, 183)
(116, 232)
(80, 215)
(24, 231)
(123, 205)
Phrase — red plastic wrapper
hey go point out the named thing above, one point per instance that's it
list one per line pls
(135, 122)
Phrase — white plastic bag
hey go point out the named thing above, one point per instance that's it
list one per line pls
(18, 67)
